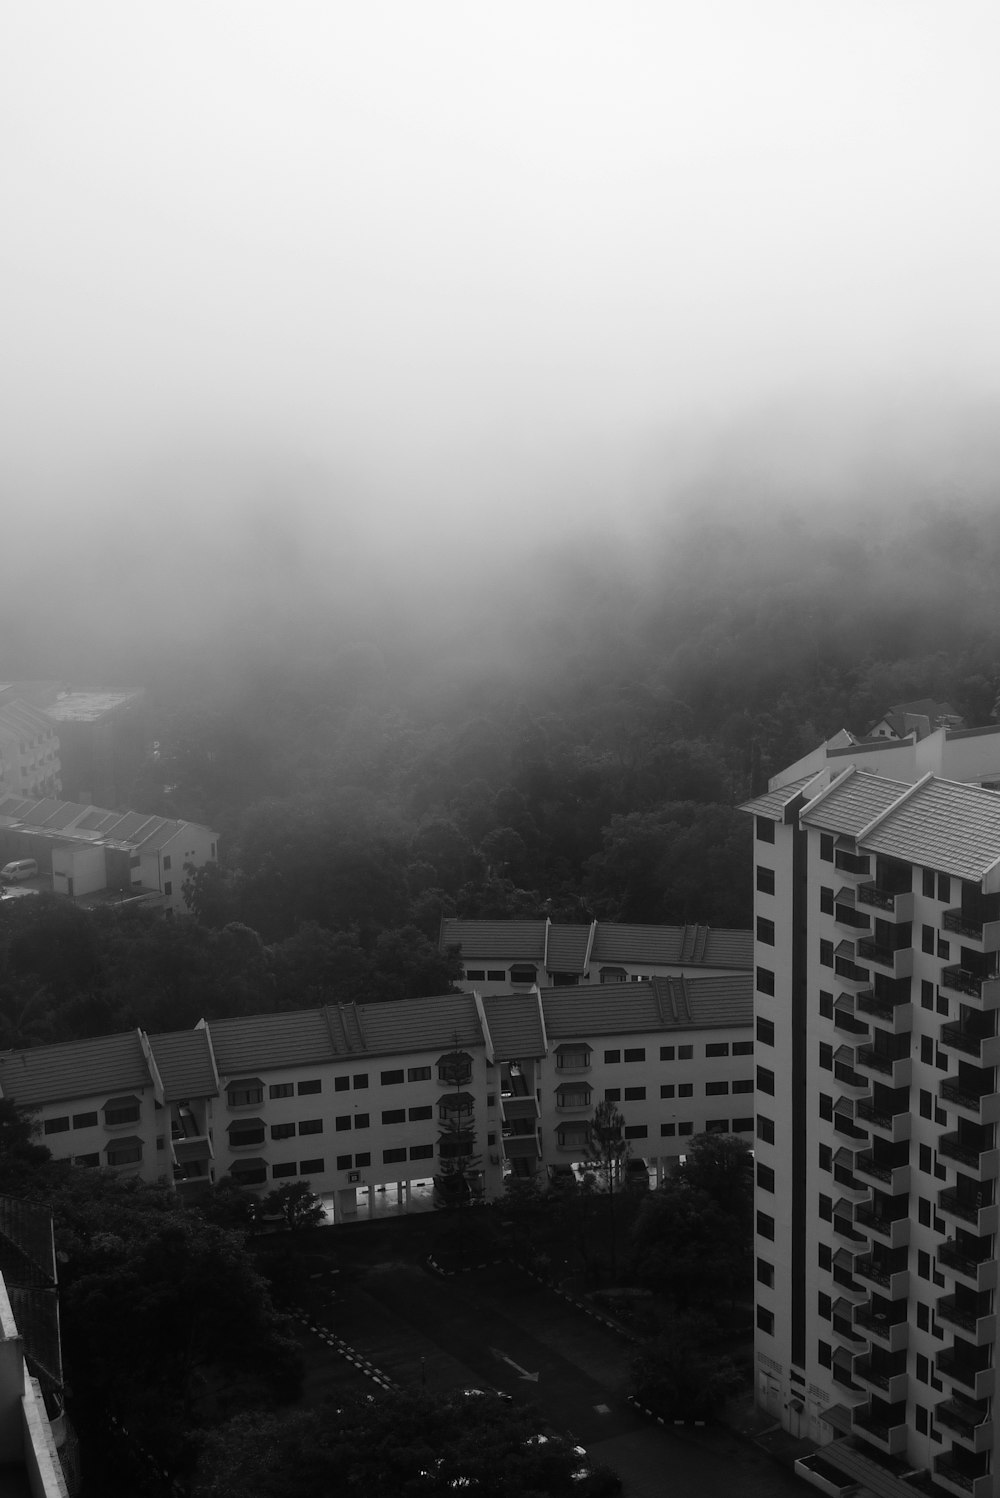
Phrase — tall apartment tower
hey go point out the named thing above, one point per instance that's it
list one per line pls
(877, 991)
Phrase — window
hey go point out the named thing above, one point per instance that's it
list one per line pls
(246, 1131)
(826, 1106)
(288, 1169)
(359, 1080)
(765, 1128)
(613, 975)
(282, 1131)
(496, 975)
(280, 1089)
(635, 1053)
(765, 880)
(765, 980)
(927, 883)
(765, 1081)
(765, 830)
(824, 1354)
(313, 1085)
(635, 1094)
(685, 1052)
(926, 1104)
(424, 1111)
(765, 931)
(718, 1048)
(342, 1122)
(825, 1005)
(765, 1226)
(765, 1320)
(742, 1125)
(341, 1084)
(244, 1094)
(765, 1273)
(524, 973)
(944, 949)
(826, 847)
(667, 1053)
(717, 1126)
(826, 953)
(742, 1047)
(826, 899)
(56, 1125)
(667, 1090)
(166, 862)
(125, 1110)
(362, 1159)
(313, 1167)
(743, 1084)
(927, 937)
(612, 1094)
(392, 1078)
(944, 888)
(926, 994)
(765, 1031)
(84, 1120)
(311, 1126)
(476, 974)
(685, 1089)
(344, 1162)
(418, 1073)
(635, 1131)
(824, 1306)
(393, 1156)
(124, 1152)
(421, 1151)
(826, 1056)
(611, 1056)
(87, 1160)
(361, 1120)
(685, 1128)
(667, 1131)
(926, 1050)
(716, 1089)
(168, 887)
(825, 1208)
(395, 1115)
(825, 1157)
(455, 1068)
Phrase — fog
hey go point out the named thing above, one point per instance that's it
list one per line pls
(323, 320)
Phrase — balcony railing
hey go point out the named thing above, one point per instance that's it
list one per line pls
(984, 1104)
(850, 971)
(873, 894)
(893, 1119)
(971, 1425)
(975, 1318)
(893, 1334)
(973, 1373)
(962, 924)
(886, 1430)
(894, 1228)
(956, 1476)
(895, 1282)
(976, 1209)
(846, 915)
(982, 1158)
(980, 1266)
(894, 1177)
(888, 1376)
(968, 1041)
(985, 987)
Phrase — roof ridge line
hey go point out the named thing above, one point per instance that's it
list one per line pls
(869, 827)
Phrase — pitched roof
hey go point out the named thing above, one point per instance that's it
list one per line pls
(655, 1005)
(269, 1040)
(771, 804)
(660, 945)
(515, 1025)
(502, 940)
(184, 1061)
(850, 803)
(566, 950)
(944, 825)
(421, 1024)
(74, 1069)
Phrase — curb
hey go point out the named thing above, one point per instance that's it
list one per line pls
(581, 1305)
(351, 1354)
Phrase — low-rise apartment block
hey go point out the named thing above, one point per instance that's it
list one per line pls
(498, 956)
(30, 765)
(369, 1098)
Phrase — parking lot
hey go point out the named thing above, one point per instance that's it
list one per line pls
(497, 1328)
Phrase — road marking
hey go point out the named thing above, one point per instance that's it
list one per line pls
(603, 1409)
(522, 1372)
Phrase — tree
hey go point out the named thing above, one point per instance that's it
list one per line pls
(295, 1203)
(680, 1375)
(721, 1165)
(608, 1152)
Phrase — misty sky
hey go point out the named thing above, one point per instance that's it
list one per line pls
(428, 265)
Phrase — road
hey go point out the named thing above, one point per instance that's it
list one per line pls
(497, 1328)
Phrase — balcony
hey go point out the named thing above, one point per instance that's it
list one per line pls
(845, 967)
(890, 1226)
(890, 905)
(974, 985)
(899, 960)
(966, 1098)
(843, 1174)
(894, 1013)
(889, 1273)
(844, 1073)
(881, 1425)
(892, 1178)
(966, 1422)
(897, 1070)
(966, 1476)
(843, 1274)
(984, 1046)
(889, 1328)
(856, 864)
(970, 1261)
(968, 1367)
(890, 1117)
(843, 1324)
(974, 1210)
(844, 1227)
(970, 1313)
(981, 1158)
(845, 915)
(884, 1374)
(965, 923)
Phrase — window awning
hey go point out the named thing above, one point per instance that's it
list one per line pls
(572, 1045)
(121, 1102)
(235, 1083)
(573, 1087)
(248, 1166)
(245, 1126)
(122, 1142)
(455, 1100)
(454, 1058)
(186, 1150)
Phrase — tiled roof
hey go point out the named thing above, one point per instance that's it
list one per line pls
(501, 940)
(421, 1024)
(620, 1008)
(852, 802)
(269, 1040)
(944, 825)
(515, 1025)
(772, 803)
(184, 1062)
(567, 949)
(136, 828)
(660, 945)
(73, 1069)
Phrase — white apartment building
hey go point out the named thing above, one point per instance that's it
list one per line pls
(29, 752)
(369, 1098)
(498, 956)
(877, 932)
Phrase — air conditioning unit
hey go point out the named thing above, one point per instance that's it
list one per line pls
(353, 1176)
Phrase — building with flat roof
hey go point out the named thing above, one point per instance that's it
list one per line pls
(501, 955)
(30, 763)
(362, 1098)
(876, 996)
